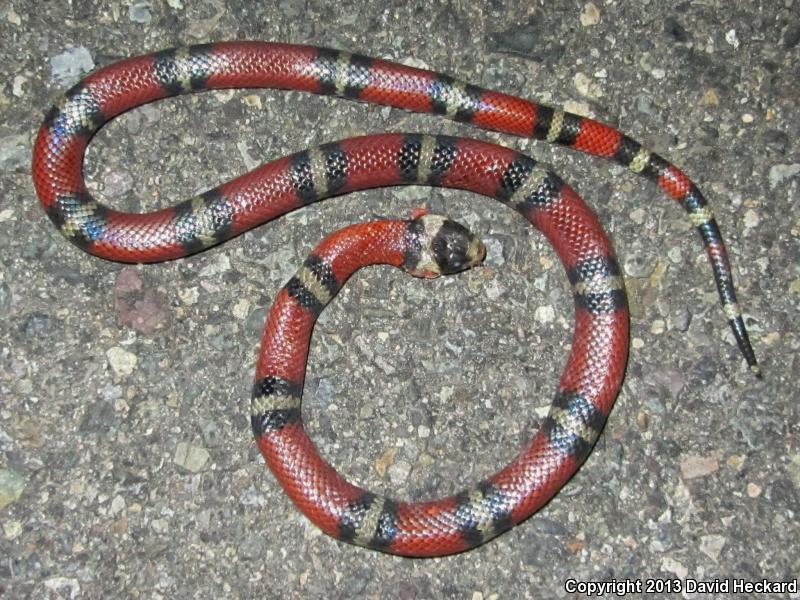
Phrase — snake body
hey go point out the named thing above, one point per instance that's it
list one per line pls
(595, 366)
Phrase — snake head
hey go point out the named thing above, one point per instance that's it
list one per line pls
(440, 246)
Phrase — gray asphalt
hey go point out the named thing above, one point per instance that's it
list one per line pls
(126, 461)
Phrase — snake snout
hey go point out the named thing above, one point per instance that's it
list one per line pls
(446, 246)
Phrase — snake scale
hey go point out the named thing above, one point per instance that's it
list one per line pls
(425, 245)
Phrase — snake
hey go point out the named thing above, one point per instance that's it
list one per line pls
(425, 245)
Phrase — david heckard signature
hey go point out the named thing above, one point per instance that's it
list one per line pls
(623, 587)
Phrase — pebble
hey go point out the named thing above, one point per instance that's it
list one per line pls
(70, 65)
(191, 457)
(385, 461)
(399, 472)
(639, 265)
(780, 173)
(693, 466)
(139, 12)
(12, 16)
(189, 296)
(753, 490)
(12, 485)
(589, 15)
(220, 264)
(121, 361)
(586, 86)
(253, 497)
(11, 529)
(544, 314)
(680, 319)
(732, 38)
(494, 251)
(712, 545)
(670, 565)
(14, 154)
(751, 218)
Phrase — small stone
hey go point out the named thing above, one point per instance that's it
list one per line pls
(680, 319)
(17, 85)
(63, 587)
(657, 327)
(423, 431)
(220, 264)
(241, 309)
(117, 505)
(658, 73)
(189, 296)
(589, 15)
(710, 98)
(544, 314)
(642, 421)
(693, 466)
(670, 565)
(253, 497)
(732, 39)
(253, 101)
(160, 525)
(70, 65)
(117, 183)
(399, 472)
(711, 545)
(14, 154)
(12, 485)
(586, 87)
(292, 8)
(12, 16)
(748, 118)
(751, 218)
(11, 529)
(640, 265)
(191, 457)
(736, 461)
(494, 290)
(176, 4)
(139, 12)
(494, 251)
(122, 361)
(780, 173)
(753, 490)
(385, 461)
(581, 109)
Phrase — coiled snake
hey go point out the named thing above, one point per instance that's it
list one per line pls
(596, 363)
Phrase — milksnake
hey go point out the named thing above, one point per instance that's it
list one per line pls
(596, 364)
